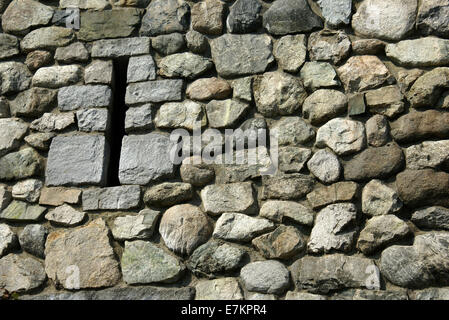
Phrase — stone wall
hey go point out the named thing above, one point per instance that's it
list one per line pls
(92, 207)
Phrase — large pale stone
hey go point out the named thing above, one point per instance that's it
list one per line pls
(422, 52)
(234, 197)
(334, 229)
(184, 227)
(22, 15)
(57, 76)
(145, 158)
(85, 251)
(343, 136)
(385, 19)
(239, 55)
(77, 160)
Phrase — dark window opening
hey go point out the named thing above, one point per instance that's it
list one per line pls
(118, 113)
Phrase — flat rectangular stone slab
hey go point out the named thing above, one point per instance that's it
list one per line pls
(116, 48)
(74, 97)
(77, 160)
(114, 198)
(154, 91)
(145, 158)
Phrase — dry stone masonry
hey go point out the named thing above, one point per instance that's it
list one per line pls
(356, 94)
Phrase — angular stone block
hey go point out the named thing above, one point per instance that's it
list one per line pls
(77, 160)
(115, 198)
(74, 97)
(145, 158)
(154, 91)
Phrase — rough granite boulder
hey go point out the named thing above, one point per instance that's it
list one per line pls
(239, 55)
(82, 257)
